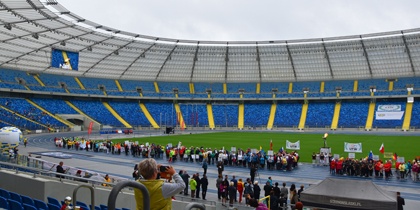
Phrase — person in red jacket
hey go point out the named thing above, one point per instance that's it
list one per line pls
(387, 169)
(332, 167)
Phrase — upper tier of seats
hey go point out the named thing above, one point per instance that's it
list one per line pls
(14, 79)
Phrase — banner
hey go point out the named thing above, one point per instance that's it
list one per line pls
(352, 147)
(64, 59)
(389, 108)
(293, 146)
(90, 127)
(389, 115)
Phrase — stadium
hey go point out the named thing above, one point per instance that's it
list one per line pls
(61, 73)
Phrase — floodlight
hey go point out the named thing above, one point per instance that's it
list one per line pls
(62, 43)
(35, 36)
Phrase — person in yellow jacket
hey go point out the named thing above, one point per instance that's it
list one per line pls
(160, 192)
(401, 167)
(193, 186)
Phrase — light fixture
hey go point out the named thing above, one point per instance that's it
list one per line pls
(410, 87)
(338, 89)
(8, 26)
(62, 43)
(89, 48)
(116, 52)
(35, 36)
(372, 89)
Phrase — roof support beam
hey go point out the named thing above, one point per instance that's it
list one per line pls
(166, 60)
(142, 55)
(328, 58)
(408, 53)
(226, 61)
(258, 60)
(291, 60)
(366, 56)
(195, 60)
(113, 52)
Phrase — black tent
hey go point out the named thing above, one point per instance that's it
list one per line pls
(349, 194)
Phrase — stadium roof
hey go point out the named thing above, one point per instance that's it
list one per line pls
(31, 29)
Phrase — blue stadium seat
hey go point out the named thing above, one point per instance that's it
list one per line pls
(103, 207)
(40, 204)
(15, 205)
(3, 203)
(83, 205)
(16, 197)
(53, 207)
(53, 201)
(29, 207)
(4, 193)
(27, 200)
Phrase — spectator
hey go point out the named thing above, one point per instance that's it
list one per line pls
(274, 201)
(160, 191)
(60, 170)
(240, 189)
(252, 173)
(257, 190)
(235, 184)
(400, 201)
(106, 179)
(224, 191)
(249, 190)
(276, 190)
(299, 206)
(254, 203)
(232, 193)
(193, 186)
(218, 183)
(205, 166)
(197, 190)
(293, 197)
(66, 204)
(204, 183)
(185, 178)
(300, 190)
(283, 195)
(267, 189)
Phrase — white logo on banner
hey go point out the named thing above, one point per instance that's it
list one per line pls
(353, 147)
(389, 108)
(293, 146)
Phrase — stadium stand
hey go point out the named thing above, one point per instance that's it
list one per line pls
(97, 111)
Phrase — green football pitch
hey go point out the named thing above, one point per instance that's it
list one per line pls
(404, 146)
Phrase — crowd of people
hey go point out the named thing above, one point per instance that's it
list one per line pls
(229, 189)
(280, 160)
(367, 167)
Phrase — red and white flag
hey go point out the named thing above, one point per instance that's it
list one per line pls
(382, 149)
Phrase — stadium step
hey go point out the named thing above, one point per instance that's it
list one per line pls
(81, 112)
(371, 113)
(118, 85)
(407, 117)
(148, 116)
(80, 83)
(241, 110)
(272, 116)
(36, 77)
(334, 123)
(210, 116)
(303, 116)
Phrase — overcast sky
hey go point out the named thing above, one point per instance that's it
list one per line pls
(249, 20)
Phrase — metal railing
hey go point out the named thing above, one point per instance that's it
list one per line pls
(117, 188)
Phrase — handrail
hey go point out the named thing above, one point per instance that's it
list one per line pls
(195, 205)
(118, 187)
(92, 195)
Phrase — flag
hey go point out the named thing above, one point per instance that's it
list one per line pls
(271, 144)
(382, 149)
(260, 147)
(281, 150)
(370, 157)
(90, 127)
(395, 156)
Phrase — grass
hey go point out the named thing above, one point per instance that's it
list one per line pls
(404, 146)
